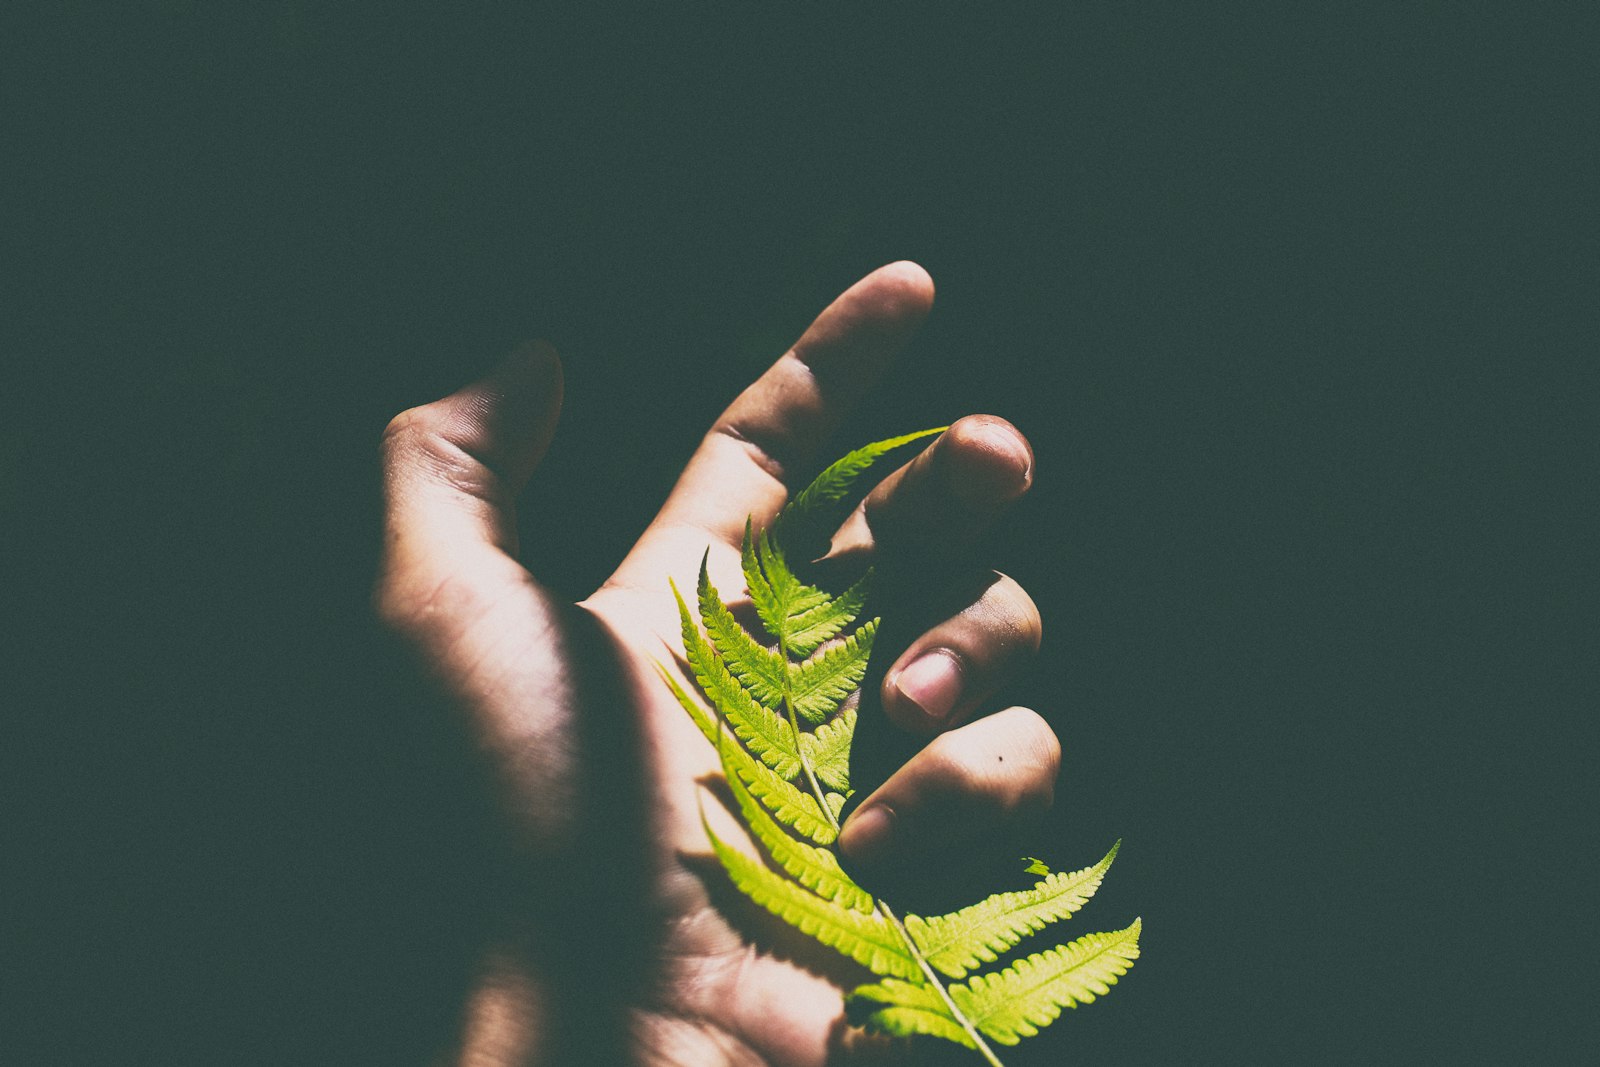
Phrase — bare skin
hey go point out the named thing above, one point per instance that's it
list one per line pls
(600, 776)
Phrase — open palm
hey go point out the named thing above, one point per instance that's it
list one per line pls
(597, 771)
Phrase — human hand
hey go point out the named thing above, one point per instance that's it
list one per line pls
(618, 943)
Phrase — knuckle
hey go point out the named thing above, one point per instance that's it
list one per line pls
(428, 430)
(1020, 763)
(996, 633)
(760, 444)
(947, 762)
(428, 440)
(413, 439)
(984, 778)
(990, 773)
(404, 430)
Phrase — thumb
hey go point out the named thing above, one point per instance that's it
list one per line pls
(452, 469)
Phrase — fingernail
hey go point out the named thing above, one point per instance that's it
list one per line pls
(932, 682)
(865, 837)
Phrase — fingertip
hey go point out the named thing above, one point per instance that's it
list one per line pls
(907, 287)
(514, 410)
(1046, 747)
(533, 369)
(856, 335)
(991, 462)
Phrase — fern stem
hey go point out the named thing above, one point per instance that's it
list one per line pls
(883, 909)
(944, 994)
(799, 749)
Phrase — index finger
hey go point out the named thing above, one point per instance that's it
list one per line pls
(745, 466)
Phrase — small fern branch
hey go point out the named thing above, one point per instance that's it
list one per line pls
(779, 776)
(828, 749)
(956, 943)
(1017, 1001)
(956, 1013)
(759, 670)
(822, 682)
(754, 724)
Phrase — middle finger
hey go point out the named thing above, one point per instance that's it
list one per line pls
(934, 511)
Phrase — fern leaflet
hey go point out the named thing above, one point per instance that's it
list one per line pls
(1014, 1003)
(868, 939)
(815, 868)
(761, 729)
(957, 942)
(828, 750)
(822, 682)
(788, 805)
(759, 669)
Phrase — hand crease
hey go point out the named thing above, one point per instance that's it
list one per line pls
(759, 454)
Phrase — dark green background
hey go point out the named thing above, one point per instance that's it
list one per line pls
(1292, 302)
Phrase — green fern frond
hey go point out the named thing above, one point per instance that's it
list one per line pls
(958, 942)
(1029, 994)
(818, 685)
(868, 939)
(789, 781)
(762, 595)
(799, 617)
(780, 597)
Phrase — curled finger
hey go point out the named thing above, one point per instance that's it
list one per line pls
(970, 784)
(945, 675)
